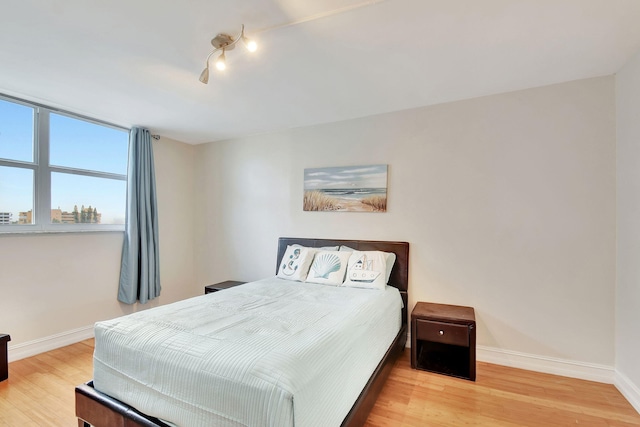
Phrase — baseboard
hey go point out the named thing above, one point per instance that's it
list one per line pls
(548, 365)
(629, 390)
(531, 362)
(40, 345)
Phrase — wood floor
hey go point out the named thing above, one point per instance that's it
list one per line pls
(39, 392)
(501, 396)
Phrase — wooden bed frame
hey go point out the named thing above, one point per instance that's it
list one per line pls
(97, 409)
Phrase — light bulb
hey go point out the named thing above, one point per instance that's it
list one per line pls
(251, 45)
(220, 62)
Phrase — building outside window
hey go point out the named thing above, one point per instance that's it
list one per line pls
(5, 217)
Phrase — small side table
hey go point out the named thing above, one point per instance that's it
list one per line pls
(222, 285)
(4, 357)
(443, 339)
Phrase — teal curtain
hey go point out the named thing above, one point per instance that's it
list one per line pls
(140, 269)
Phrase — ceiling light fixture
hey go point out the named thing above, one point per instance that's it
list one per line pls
(224, 43)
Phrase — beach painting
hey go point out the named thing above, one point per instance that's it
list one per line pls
(346, 189)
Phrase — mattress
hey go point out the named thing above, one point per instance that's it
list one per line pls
(268, 353)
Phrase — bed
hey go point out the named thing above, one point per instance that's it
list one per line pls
(97, 408)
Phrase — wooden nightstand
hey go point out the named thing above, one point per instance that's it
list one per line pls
(4, 354)
(222, 285)
(443, 339)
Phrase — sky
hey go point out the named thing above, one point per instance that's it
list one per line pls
(370, 176)
(73, 143)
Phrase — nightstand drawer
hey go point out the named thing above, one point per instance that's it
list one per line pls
(446, 333)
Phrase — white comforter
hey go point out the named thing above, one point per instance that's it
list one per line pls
(268, 353)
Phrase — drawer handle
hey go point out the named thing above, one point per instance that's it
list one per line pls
(441, 332)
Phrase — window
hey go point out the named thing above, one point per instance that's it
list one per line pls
(60, 172)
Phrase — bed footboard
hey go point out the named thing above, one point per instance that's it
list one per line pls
(99, 410)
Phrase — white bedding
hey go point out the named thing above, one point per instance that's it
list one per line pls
(268, 353)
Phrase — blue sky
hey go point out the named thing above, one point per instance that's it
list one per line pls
(73, 143)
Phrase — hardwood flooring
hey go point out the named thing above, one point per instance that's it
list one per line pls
(40, 391)
(501, 396)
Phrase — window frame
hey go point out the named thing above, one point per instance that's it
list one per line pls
(42, 172)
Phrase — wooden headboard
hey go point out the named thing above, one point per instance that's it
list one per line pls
(399, 275)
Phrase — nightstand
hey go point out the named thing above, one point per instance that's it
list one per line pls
(222, 285)
(443, 339)
(4, 355)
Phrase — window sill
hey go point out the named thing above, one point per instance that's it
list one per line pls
(6, 233)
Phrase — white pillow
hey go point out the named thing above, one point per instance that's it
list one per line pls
(323, 248)
(390, 260)
(328, 248)
(328, 267)
(367, 269)
(295, 263)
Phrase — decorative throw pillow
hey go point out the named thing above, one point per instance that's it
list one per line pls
(367, 269)
(390, 260)
(328, 267)
(295, 263)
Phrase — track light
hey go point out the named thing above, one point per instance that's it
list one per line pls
(204, 76)
(225, 42)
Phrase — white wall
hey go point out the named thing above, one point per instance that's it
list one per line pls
(53, 287)
(628, 224)
(508, 202)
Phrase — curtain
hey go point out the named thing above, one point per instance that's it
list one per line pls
(140, 269)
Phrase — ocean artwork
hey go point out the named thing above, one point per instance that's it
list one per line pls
(346, 189)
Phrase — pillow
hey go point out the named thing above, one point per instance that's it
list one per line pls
(295, 263)
(328, 267)
(367, 269)
(390, 260)
(324, 248)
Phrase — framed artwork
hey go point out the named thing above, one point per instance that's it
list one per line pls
(346, 189)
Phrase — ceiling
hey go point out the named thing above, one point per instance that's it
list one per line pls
(137, 62)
